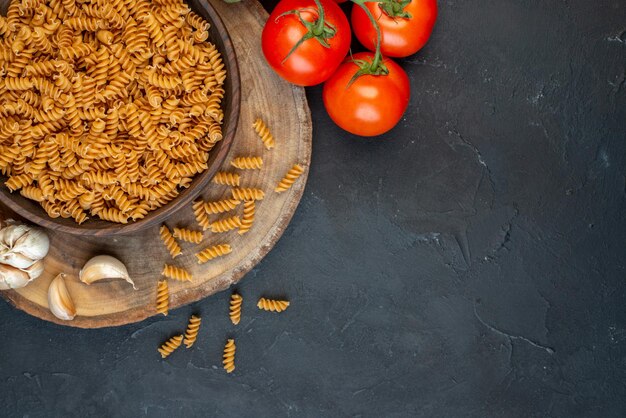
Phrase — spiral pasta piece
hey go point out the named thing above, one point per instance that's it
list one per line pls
(169, 241)
(191, 334)
(176, 273)
(226, 224)
(188, 235)
(163, 298)
(247, 194)
(213, 252)
(247, 163)
(229, 356)
(272, 305)
(287, 181)
(226, 178)
(201, 215)
(264, 133)
(247, 218)
(170, 346)
(235, 308)
(220, 206)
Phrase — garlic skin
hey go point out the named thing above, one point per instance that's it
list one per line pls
(22, 248)
(60, 302)
(34, 244)
(12, 278)
(16, 260)
(104, 267)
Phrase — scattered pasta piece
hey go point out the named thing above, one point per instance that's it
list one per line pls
(248, 217)
(188, 235)
(221, 206)
(169, 241)
(212, 252)
(201, 215)
(272, 305)
(176, 273)
(247, 194)
(227, 179)
(163, 296)
(191, 334)
(291, 176)
(229, 356)
(225, 225)
(170, 346)
(264, 133)
(247, 163)
(235, 308)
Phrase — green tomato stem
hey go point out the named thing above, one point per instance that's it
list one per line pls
(377, 55)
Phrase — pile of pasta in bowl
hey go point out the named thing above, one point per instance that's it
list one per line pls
(107, 108)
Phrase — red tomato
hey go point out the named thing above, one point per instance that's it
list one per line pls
(372, 104)
(401, 36)
(311, 62)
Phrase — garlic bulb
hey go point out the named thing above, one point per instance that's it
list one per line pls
(22, 248)
(12, 278)
(22, 245)
(59, 299)
(104, 267)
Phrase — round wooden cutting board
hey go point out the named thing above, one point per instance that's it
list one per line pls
(285, 110)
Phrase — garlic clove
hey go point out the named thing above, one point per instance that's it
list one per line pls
(12, 233)
(34, 244)
(35, 270)
(59, 300)
(16, 260)
(104, 267)
(12, 278)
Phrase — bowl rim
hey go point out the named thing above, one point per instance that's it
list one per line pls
(159, 215)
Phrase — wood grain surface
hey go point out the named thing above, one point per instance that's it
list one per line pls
(113, 303)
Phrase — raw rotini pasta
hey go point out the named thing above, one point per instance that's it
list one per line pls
(272, 305)
(213, 252)
(191, 334)
(169, 241)
(226, 224)
(121, 100)
(188, 235)
(248, 217)
(162, 300)
(264, 133)
(235, 308)
(292, 175)
(176, 273)
(229, 356)
(201, 215)
(220, 206)
(247, 194)
(170, 346)
(227, 179)
(247, 163)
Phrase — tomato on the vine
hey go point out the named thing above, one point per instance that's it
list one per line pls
(366, 104)
(405, 25)
(305, 44)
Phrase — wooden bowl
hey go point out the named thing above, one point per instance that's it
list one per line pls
(32, 211)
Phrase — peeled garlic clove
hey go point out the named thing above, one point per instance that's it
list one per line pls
(16, 260)
(12, 278)
(35, 270)
(104, 267)
(34, 244)
(59, 299)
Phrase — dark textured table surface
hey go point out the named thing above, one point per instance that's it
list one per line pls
(469, 263)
